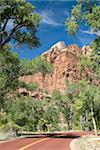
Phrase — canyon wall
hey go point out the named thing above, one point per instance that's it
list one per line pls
(66, 67)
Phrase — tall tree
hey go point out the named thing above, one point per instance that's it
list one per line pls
(11, 68)
(85, 103)
(9, 72)
(41, 64)
(18, 23)
(87, 12)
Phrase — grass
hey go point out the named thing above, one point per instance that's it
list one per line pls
(7, 135)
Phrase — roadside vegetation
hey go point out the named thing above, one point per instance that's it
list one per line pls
(86, 143)
(78, 108)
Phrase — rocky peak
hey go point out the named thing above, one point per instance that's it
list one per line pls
(59, 45)
(55, 51)
(56, 47)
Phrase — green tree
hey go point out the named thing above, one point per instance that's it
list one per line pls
(50, 119)
(41, 64)
(25, 21)
(86, 11)
(95, 58)
(32, 86)
(56, 95)
(63, 105)
(23, 111)
(11, 68)
(85, 105)
(26, 67)
(26, 113)
(9, 72)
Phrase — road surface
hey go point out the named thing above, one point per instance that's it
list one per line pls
(43, 142)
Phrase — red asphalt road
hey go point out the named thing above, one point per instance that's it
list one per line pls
(58, 142)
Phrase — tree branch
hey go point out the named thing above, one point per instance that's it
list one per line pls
(5, 24)
(3, 29)
(11, 34)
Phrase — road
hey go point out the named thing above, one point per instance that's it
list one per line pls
(43, 142)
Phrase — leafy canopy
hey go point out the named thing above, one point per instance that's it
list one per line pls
(41, 64)
(9, 72)
(86, 11)
(18, 22)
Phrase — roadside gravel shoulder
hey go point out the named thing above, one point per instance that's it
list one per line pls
(86, 143)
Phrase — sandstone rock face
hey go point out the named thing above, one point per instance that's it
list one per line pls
(65, 60)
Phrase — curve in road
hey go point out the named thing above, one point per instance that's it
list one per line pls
(59, 141)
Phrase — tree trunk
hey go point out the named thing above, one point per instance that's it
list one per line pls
(86, 120)
(81, 122)
(94, 122)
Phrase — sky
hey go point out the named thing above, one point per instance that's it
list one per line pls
(52, 27)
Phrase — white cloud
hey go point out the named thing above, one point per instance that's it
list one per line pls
(49, 18)
(92, 32)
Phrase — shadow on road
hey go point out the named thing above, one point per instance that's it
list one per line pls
(65, 136)
(55, 135)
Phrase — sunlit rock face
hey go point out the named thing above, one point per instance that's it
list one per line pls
(65, 60)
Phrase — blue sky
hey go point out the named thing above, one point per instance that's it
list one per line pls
(52, 28)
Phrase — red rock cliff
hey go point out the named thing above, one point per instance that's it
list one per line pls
(65, 60)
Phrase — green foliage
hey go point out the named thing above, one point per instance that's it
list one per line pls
(29, 86)
(32, 86)
(19, 110)
(9, 71)
(87, 96)
(8, 131)
(76, 12)
(34, 115)
(26, 113)
(25, 21)
(88, 13)
(56, 95)
(96, 56)
(84, 10)
(72, 26)
(96, 45)
(62, 105)
(93, 18)
(40, 64)
(22, 15)
(91, 63)
(86, 64)
(26, 67)
(11, 68)
(29, 114)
